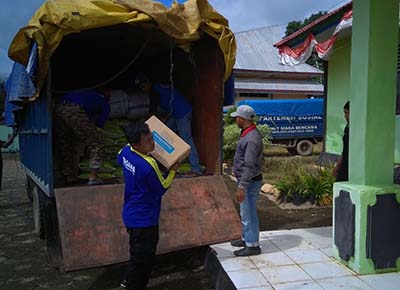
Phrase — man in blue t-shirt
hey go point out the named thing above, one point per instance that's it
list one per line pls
(145, 185)
(178, 118)
(81, 115)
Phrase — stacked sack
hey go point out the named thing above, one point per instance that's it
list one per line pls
(114, 140)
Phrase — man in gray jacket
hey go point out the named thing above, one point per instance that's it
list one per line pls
(247, 166)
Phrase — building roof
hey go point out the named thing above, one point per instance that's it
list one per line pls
(258, 85)
(313, 24)
(255, 51)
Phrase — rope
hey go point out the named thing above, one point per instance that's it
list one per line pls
(113, 77)
(171, 78)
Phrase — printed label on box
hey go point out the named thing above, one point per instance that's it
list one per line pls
(163, 143)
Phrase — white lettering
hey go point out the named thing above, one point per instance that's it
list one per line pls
(128, 166)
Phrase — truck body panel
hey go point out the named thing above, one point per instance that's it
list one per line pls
(36, 143)
(195, 212)
(290, 119)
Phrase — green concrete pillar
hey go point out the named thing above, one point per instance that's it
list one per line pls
(366, 209)
(373, 91)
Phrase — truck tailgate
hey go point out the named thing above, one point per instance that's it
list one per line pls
(197, 211)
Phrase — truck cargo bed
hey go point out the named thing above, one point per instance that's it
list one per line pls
(196, 211)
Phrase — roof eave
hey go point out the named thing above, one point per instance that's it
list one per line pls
(319, 25)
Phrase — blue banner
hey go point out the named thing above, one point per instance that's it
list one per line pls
(289, 119)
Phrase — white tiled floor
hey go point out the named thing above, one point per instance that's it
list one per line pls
(299, 259)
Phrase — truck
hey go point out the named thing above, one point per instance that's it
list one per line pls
(296, 124)
(70, 45)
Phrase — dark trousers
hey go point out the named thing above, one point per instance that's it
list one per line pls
(143, 244)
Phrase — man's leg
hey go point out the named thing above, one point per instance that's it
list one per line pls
(249, 219)
(89, 133)
(65, 137)
(185, 131)
(143, 244)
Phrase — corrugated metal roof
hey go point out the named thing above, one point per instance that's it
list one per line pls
(278, 85)
(255, 51)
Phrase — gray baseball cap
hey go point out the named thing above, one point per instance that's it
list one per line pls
(244, 111)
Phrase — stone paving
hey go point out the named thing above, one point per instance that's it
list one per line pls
(23, 258)
(299, 259)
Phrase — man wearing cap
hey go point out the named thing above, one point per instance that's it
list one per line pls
(247, 166)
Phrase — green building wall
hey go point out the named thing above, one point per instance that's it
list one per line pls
(338, 92)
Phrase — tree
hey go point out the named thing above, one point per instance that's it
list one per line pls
(313, 17)
(293, 26)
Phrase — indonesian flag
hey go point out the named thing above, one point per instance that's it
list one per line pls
(301, 53)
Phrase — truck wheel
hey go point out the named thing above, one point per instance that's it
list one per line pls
(29, 186)
(304, 147)
(38, 212)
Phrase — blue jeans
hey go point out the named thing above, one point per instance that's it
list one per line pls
(248, 215)
(184, 128)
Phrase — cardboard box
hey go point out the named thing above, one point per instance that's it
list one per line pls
(169, 147)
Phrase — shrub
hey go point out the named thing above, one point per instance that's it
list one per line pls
(232, 135)
(298, 185)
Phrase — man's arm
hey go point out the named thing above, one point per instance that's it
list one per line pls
(157, 183)
(337, 167)
(249, 166)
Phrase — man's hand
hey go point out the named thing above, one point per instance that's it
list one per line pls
(337, 167)
(240, 195)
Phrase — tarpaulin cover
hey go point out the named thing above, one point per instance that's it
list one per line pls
(20, 86)
(185, 23)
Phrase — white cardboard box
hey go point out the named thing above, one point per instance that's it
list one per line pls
(169, 147)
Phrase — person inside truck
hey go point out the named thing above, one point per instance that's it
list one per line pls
(177, 116)
(341, 170)
(247, 165)
(145, 185)
(81, 115)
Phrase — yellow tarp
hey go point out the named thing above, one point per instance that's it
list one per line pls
(57, 18)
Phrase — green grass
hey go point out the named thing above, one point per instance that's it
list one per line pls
(277, 160)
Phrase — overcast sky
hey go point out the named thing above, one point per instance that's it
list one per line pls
(242, 15)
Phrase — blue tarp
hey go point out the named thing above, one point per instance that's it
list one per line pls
(229, 91)
(19, 87)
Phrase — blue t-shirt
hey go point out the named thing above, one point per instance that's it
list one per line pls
(93, 103)
(144, 187)
(180, 106)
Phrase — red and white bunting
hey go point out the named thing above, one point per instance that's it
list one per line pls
(300, 54)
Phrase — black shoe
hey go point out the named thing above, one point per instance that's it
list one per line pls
(238, 243)
(123, 284)
(247, 251)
